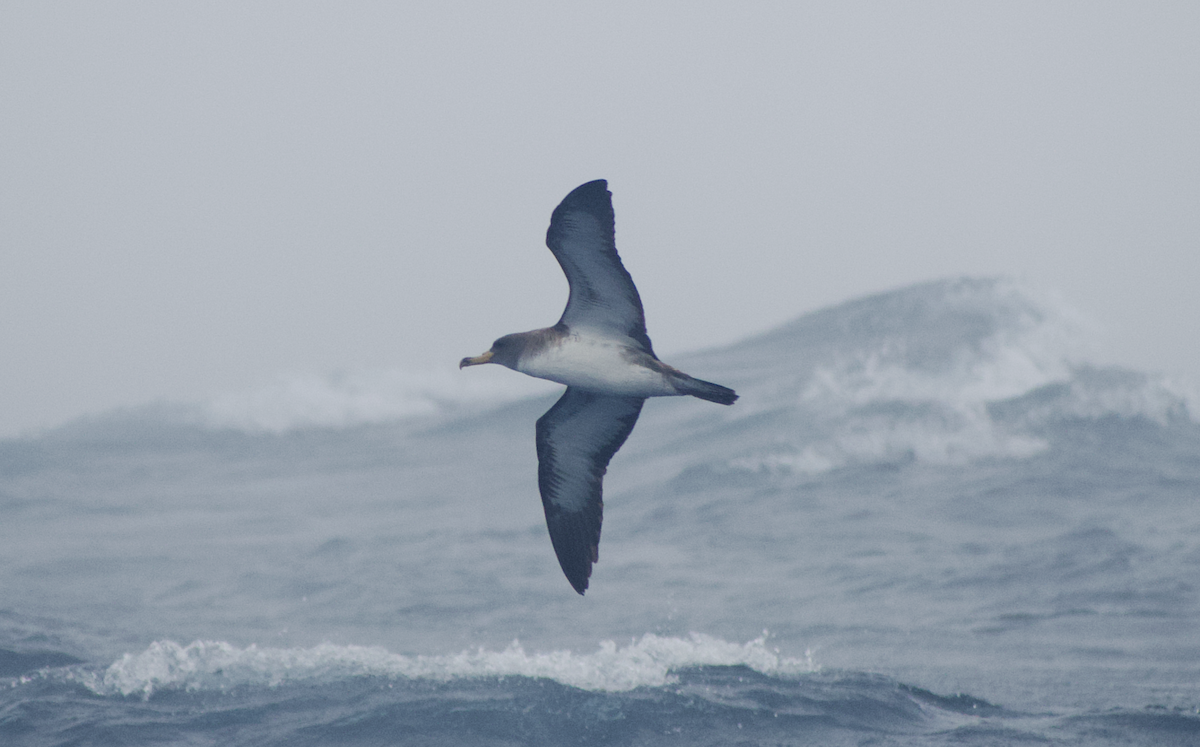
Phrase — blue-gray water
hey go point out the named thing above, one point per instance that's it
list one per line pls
(929, 520)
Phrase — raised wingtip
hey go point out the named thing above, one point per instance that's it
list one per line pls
(592, 197)
(599, 186)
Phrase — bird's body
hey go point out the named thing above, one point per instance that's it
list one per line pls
(600, 350)
(599, 362)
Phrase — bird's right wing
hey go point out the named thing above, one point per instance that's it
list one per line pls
(582, 238)
(576, 439)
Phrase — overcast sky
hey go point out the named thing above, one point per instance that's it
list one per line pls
(197, 197)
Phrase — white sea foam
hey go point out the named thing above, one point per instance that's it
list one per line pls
(215, 665)
(914, 375)
(1098, 393)
(361, 397)
(886, 441)
(1021, 339)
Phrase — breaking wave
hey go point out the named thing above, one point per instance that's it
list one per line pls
(362, 397)
(215, 665)
(946, 373)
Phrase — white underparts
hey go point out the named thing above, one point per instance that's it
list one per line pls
(599, 364)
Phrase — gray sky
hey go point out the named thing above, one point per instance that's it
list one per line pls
(197, 197)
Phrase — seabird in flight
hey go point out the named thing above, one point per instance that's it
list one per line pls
(600, 350)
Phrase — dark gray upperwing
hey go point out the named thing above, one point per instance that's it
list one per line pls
(603, 296)
(576, 439)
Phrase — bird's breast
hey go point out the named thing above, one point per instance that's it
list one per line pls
(598, 365)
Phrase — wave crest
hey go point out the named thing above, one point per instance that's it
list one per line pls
(945, 373)
(215, 665)
(358, 398)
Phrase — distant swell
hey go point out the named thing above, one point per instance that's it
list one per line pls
(368, 396)
(946, 373)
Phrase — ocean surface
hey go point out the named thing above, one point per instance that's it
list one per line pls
(931, 519)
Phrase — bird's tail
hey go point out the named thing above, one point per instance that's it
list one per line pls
(706, 390)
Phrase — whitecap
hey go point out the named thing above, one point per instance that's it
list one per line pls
(216, 665)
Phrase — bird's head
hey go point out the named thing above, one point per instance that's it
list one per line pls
(504, 351)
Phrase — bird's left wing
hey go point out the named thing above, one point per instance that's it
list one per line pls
(582, 237)
(576, 439)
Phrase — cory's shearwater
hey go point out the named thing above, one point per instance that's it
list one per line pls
(600, 350)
